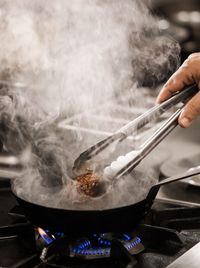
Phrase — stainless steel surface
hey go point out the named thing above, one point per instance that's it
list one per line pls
(170, 201)
(10, 173)
(191, 259)
(12, 166)
(193, 181)
(10, 160)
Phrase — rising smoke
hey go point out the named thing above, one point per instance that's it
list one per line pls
(64, 57)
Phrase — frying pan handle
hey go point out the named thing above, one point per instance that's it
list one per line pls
(154, 189)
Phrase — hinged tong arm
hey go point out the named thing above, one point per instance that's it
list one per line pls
(137, 124)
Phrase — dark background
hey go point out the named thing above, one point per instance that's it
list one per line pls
(181, 19)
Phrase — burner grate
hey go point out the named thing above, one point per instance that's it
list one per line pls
(94, 247)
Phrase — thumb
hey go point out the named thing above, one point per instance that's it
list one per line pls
(190, 112)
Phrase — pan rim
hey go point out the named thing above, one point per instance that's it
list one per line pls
(77, 210)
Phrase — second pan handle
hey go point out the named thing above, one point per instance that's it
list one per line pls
(154, 190)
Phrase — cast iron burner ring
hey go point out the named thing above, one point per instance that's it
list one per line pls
(94, 246)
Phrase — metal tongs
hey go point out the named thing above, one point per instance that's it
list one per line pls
(83, 162)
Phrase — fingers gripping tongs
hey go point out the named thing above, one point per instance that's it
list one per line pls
(83, 162)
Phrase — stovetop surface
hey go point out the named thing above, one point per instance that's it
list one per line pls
(17, 247)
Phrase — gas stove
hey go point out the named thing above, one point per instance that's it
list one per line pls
(166, 233)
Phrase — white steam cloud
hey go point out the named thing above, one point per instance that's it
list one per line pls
(70, 56)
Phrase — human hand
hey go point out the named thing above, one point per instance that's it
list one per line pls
(187, 74)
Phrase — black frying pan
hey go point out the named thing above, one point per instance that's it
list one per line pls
(81, 222)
